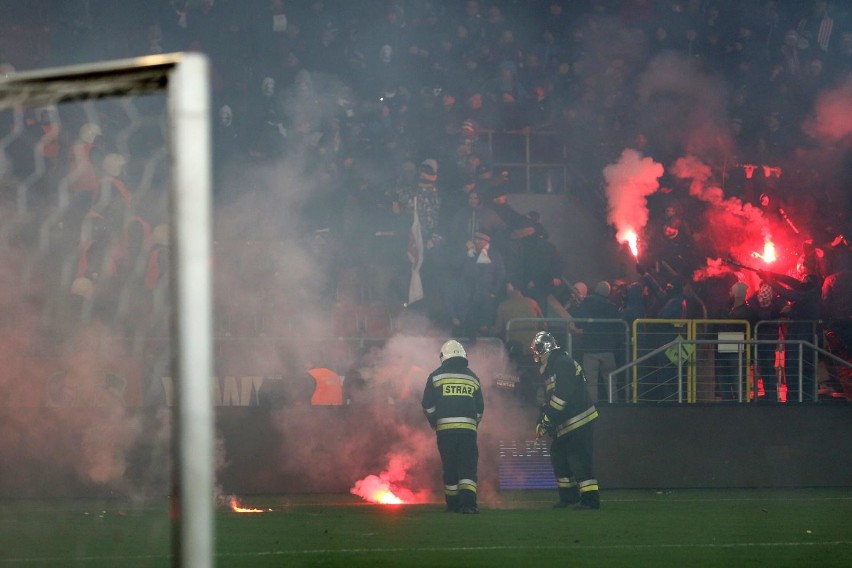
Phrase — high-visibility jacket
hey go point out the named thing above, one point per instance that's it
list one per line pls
(452, 399)
(329, 387)
(568, 404)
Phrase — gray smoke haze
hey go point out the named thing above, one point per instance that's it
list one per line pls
(831, 120)
(681, 109)
(382, 432)
(88, 407)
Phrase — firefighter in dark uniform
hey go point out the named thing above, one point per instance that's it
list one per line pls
(567, 418)
(453, 404)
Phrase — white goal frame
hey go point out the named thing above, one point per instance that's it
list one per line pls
(183, 77)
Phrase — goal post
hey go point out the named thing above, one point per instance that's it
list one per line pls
(183, 78)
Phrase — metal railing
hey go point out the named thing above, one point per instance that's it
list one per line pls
(686, 361)
(529, 161)
(682, 377)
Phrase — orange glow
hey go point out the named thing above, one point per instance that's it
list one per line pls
(235, 507)
(769, 256)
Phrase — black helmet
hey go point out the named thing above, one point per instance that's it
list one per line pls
(543, 343)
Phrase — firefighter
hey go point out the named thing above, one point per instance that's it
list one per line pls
(453, 404)
(567, 418)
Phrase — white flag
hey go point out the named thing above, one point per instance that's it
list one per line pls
(415, 256)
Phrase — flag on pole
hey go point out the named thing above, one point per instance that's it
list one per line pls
(415, 256)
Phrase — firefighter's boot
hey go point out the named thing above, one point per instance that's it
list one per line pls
(452, 503)
(567, 496)
(589, 500)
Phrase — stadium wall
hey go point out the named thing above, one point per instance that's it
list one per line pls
(696, 446)
(665, 447)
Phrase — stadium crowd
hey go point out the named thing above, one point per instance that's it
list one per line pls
(368, 115)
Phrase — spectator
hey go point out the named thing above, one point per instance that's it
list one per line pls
(597, 343)
(509, 97)
(731, 370)
(466, 221)
(542, 263)
(427, 197)
(634, 304)
(837, 312)
(228, 140)
(682, 304)
(113, 199)
(83, 177)
(767, 307)
(477, 109)
(674, 244)
(804, 311)
(508, 227)
(472, 293)
(541, 108)
(518, 338)
(467, 145)
(840, 60)
(267, 125)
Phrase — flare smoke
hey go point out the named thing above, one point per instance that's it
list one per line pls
(628, 184)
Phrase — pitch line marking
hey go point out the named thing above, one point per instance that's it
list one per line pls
(307, 552)
(567, 547)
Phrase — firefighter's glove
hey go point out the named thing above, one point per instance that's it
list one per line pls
(544, 427)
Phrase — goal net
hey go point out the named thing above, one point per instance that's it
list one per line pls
(104, 260)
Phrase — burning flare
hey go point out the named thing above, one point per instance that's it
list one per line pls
(235, 507)
(391, 486)
(768, 255)
(376, 490)
(633, 242)
(628, 236)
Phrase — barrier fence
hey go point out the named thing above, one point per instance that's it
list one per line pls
(691, 361)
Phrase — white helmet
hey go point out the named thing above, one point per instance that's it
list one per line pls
(452, 348)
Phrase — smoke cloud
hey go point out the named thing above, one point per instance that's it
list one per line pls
(735, 230)
(682, 110)
(628, 184)
(381, 440)
(831, 120)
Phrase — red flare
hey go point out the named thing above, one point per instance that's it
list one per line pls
(630, 237)
(376, 490)
(769, 255)
(633, 243)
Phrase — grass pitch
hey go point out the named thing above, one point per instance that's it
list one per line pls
(795, 528)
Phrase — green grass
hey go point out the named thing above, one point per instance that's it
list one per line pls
(795, 528)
